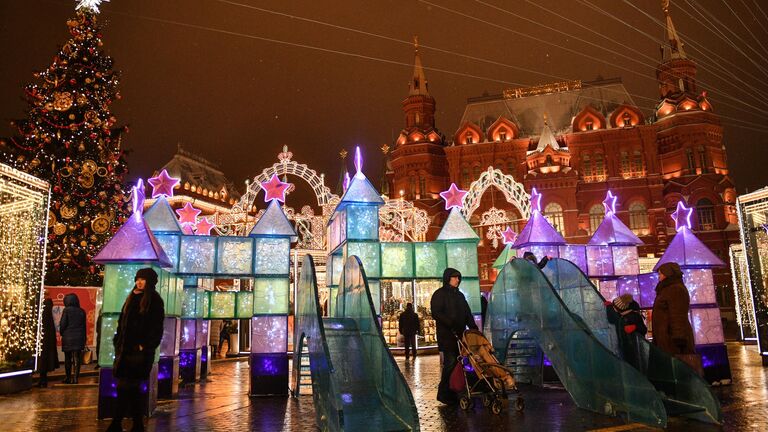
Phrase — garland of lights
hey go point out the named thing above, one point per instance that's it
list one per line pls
(70, 139)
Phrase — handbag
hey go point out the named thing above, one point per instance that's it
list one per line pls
(457, 382)
(87, 356)
(692, 360)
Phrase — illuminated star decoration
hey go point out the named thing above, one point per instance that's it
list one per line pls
(508, 236)
(138, 196)
(535, 200)
(610, 203)
(454, 197)
(163, 184)
(358, 163)
(204, 227)
(274, 189)
(188, 214)
(187, 229)
(92, 5)
(682, 216)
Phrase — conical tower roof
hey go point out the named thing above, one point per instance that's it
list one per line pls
(688, 251)
(160, 217)
(538, 230)
(612, 231)
(457, 228)
(133, 242)
(274, 223)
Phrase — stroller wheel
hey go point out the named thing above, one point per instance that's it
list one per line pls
(465, 403)
(496, 406)
(519, 404)
(487, 399)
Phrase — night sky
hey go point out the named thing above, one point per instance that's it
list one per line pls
(233, 83)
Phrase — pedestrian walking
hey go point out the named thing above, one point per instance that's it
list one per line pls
(72, 330)
(224, 336)
(452, 316)
(409, 323)
(49, 355)
(139, 332)
(672, 331)
(214, 332)
(624, 313)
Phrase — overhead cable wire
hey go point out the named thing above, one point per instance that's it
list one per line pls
(754, 16)
(721, 28)
(709, 85)
(365, 57)
(746, 27)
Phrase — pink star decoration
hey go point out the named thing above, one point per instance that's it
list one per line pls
(187, 229)
(163, 184)
(188, 214)
(454, 197)
(610, 203)
(204, 227)
(274, 189)
(535, 200)
(139, 196)
(682, 216)
(508, 236)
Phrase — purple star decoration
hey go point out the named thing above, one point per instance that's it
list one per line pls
(535, 201)
(139, 197)
(610, 203)
(682, 216)
(454, 197)
(509, 236)
(163, 184)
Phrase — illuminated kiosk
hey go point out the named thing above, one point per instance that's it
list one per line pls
(23, 233)
(133, 247)
(356, 384)
(400, 272)
(753, 222)
(262, 258)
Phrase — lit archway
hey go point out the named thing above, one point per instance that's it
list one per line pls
(513, 191)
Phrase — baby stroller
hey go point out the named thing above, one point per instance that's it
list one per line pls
(490, 381)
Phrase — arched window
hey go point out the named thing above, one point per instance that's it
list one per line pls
(511, 166)
(465, 180)
(638, 218)
(475, 173)
(502, 134)
(625, 171)
(554, 214)
(469, 139)
(422, 187)
(705, 212)
(596, 214)
(627, 118)
(637, 164)
(586, 168)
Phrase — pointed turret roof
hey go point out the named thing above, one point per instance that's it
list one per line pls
(547, 139)
(419, 84)
(538, 230)
(612, 231)
(273, 222)
(688, 251)
(360, 191)
(673, 49)
(457, 228)
(160, 217)
(133, 242)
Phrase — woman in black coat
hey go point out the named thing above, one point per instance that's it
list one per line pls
(139, 332)
(49, 355)
(72, 330)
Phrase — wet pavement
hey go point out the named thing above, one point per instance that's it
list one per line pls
(221, 404)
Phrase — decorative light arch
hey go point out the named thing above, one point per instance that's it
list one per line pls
(513, 191)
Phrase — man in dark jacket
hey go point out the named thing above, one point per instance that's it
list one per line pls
(139, 332)
(408, 324)
(72, 330)
(452, 316)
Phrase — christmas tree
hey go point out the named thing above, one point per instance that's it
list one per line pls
(69, 139)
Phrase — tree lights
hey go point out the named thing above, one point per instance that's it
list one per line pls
(70, 139)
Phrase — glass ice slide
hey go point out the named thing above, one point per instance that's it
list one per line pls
(524, 301)
(356, 384)
(682, 390)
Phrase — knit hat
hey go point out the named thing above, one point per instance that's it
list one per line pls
(148, 275)
(671, 270)
(622, 302)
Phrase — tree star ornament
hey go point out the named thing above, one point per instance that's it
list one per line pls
(610, 203)
(188, 214)
(682, 216)
(163, 184)
(204, 227)
(454, 197)
(508, 236)
(535, 200)
(92, 5)
(138, 195)
(274, 189)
